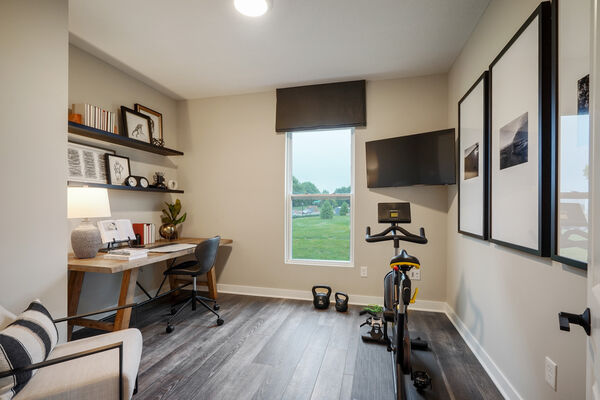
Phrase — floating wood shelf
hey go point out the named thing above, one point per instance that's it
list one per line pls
(122, 187)
(83, 130)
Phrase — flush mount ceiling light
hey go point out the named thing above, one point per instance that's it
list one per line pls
(252, 8)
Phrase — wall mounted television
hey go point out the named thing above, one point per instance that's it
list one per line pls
(421, 159)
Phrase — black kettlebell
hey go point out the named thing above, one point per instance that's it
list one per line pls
(341, 302)
(321, 300)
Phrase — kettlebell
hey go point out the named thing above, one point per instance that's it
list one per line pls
(321, 300)
(341, 302)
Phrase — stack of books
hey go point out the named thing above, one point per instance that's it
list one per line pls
(147, 233)
(96, 117)
(126, 254)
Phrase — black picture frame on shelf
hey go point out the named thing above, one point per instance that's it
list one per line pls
(118, 168)
(136, 125)
(473, 157)
(520, 138)
(570, 132)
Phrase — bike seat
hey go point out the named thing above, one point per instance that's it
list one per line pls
(405, 260)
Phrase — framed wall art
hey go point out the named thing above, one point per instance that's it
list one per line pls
(156, 128)
(571, 132)
(520, 138)
(117, 169)
(86, 163)
(136, 125)
(472, 154)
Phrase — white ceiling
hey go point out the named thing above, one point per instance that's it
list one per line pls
(202, 48)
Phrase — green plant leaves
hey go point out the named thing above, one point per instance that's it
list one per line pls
(170, 217)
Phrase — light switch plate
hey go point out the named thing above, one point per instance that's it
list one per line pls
(550, 373)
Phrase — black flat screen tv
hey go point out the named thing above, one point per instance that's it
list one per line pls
(422, 159)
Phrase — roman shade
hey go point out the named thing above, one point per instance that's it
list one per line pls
(331, 105)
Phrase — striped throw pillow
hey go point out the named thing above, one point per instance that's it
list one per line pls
(27, 340)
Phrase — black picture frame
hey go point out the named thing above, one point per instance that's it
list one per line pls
(544, 125)
(555, 170)
(138, 133)
(123, 174)
(484, 151)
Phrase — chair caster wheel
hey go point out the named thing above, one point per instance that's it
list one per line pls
(173, 311)
(220, 322)
(170, 328)
(216, 307)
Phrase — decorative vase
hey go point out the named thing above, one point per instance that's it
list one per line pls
(168, 231)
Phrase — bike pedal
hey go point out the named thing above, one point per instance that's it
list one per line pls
(421, 380)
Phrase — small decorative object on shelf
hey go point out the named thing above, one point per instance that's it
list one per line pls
(134, 181)
(158, 142)
(117, 169)
(136, 125)
(170, 220)
(159, 181)
(172, 185)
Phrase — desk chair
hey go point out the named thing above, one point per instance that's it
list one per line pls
(205, 253)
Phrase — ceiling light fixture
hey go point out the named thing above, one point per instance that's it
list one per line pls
(252, 8)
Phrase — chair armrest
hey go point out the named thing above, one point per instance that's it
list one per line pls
(56, 321)
(74, 356)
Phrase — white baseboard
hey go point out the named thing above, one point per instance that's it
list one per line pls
(500, 380)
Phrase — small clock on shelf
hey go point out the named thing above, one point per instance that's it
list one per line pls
(137, 181)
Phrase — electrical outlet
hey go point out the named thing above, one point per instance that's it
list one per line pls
(363, 272)
(550, 373)
(414, 274)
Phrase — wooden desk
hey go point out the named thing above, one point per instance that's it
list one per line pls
(78, 267)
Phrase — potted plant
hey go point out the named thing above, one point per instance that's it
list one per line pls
(170, 220)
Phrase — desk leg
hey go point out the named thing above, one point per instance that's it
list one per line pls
(126, 296)
(173, 285)
(211, 281)
(73, 293)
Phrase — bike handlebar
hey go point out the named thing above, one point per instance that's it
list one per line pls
(406, 235)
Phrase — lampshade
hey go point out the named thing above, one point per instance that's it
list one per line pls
(87, 202)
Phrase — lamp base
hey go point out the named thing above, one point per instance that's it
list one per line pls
(85, 240)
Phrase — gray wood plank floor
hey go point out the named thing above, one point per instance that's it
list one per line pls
(285, 349)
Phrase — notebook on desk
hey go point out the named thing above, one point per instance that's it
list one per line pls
(171, 248)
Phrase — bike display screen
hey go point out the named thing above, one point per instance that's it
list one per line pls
(393, 212)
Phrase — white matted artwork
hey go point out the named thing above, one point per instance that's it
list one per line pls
(86, 163)
(136, 125)
(519, 79)
(472, 154)
(571, 198)
(117, 169)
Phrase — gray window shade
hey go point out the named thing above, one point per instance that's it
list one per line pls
(332, 105)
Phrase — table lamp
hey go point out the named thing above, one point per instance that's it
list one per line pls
(87, 202)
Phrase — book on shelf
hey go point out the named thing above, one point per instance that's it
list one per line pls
(147, 232)
(96, 117)
(126, 254)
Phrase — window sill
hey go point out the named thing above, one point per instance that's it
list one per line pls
(321, 263)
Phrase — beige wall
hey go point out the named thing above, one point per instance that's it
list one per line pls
(34, 45)
(233, 172)
(510, 300)
(95, 82)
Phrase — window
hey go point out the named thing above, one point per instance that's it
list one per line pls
(320, 197)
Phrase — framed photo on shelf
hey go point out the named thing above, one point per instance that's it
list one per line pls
(156, 129)
(520, 138)
(136, 125)
(117, 169)
(571, 132)
(473, 132)
(86, 163)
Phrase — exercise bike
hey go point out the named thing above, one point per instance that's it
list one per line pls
(397, 293)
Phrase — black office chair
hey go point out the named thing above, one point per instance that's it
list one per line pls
(206, 253)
